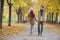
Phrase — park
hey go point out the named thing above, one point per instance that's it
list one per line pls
(14, 22)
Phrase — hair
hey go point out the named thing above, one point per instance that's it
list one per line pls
(32, 14)
(42, 6)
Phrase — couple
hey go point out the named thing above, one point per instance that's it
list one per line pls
(40, 20)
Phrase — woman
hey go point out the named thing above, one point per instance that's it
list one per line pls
(32, 20)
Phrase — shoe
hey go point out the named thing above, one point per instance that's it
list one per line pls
(38, 34)
(31, 33)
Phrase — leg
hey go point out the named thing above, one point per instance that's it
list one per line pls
(41, 27)
(38, 28)
(32, 28)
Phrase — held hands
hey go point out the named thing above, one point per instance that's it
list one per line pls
(36, 20)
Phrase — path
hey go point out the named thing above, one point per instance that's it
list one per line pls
(47, 35)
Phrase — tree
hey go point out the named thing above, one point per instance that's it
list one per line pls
(20, 14)
(1, 11)
(18, 11)
(52, 16)
(10, 6)
(56, 17)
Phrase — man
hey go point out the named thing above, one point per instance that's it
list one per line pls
(41, 19)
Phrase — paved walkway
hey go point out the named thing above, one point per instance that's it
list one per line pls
(47, 35)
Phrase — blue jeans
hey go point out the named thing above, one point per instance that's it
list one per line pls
(32, 26)
(40, 27)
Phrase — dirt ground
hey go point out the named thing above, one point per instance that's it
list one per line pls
(53, 27)
(15, 28)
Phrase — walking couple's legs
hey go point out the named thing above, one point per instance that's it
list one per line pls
(40, 28)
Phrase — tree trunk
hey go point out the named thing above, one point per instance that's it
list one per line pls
(56, 17)
(9, 15)
(52, 17)
(18, 18)
(49, 17)
(21, 17)
(1, 11)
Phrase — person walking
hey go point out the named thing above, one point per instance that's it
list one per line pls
(41, 18)
(31, 17)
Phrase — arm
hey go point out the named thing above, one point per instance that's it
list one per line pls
(44, 16)
(36, 19)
